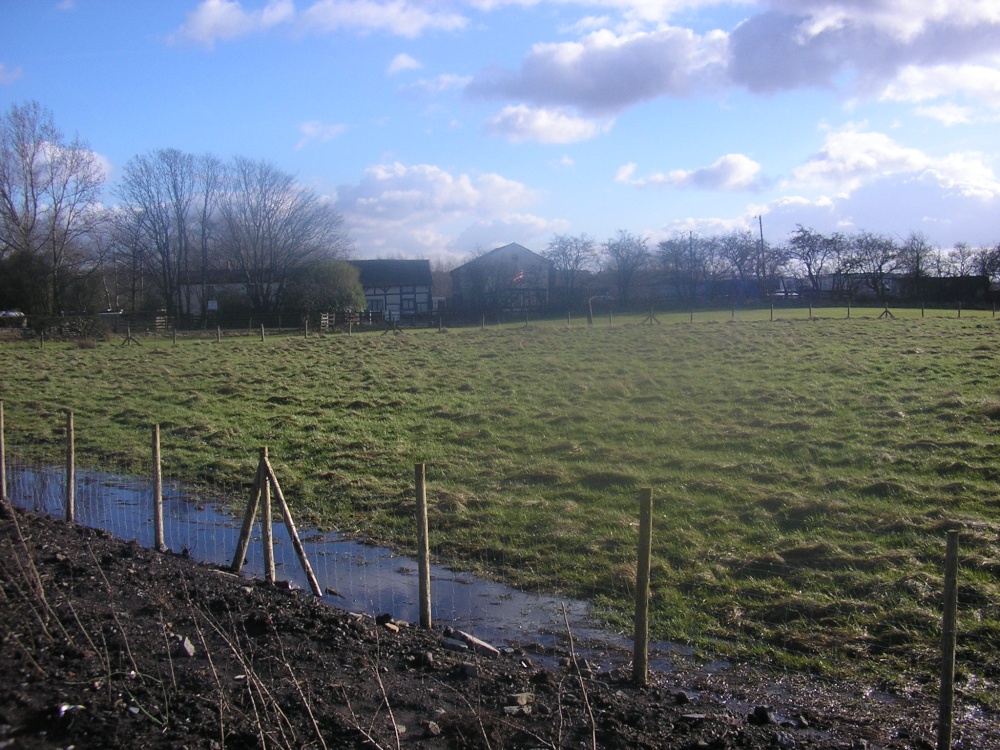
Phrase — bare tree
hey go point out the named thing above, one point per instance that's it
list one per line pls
(624, 256)
(961, 259)
(157, 192)
(571, 255)
(818, 254)
(210, 176)
(684, 261)
(49, 193)
(271, 226)
(875, 256)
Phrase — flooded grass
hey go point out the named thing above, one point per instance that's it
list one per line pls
(804, 471)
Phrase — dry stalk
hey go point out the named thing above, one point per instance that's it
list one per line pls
(381, 686)
(114, 614)
(356, 724)
(223, 704)
(583, 685)
(298, 688)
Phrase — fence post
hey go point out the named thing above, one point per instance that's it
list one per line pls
(640, 640)
(70, 469)
(218, 334)
(306, 335)
(423, 547)
(158, 543)
(272, 479)
(3, 466)
(948, 638)
(266, 531)
(248, 518)
(261, 331)
(772, 311)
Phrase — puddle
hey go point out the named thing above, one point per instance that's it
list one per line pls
(366, 578)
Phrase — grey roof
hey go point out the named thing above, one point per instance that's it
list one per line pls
(511, 248)
(382, 273)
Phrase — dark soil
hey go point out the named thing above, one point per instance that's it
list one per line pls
(109, 645)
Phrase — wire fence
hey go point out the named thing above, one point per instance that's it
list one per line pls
(352, 574)
(364, 578)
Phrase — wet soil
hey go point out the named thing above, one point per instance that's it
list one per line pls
(105, 644)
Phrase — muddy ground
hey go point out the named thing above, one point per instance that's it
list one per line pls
(104, 644)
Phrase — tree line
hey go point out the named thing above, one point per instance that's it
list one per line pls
(690, 269)
(179, 219)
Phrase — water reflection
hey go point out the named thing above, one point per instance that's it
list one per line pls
(359, 577)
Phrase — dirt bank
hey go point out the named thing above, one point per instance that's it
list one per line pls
(109, 645)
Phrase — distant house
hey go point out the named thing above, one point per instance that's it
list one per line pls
(511, 278)
(397, 289)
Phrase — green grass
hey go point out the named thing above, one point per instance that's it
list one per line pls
(804, 471)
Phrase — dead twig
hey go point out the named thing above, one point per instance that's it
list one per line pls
(583, 685)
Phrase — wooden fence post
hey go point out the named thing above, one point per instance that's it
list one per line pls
(772, 311)
(269, 476)
(244, 540)
(948, 639)
(158, 543)
(423, 547)
(266, 529)
(70, 469)
(3, 465)
(640, 639)
(218, 334)
(261, 331)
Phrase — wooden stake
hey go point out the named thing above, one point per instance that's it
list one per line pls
(218, 334)
(290, 525)
(158, 543)
(948, 640)
(423, 547)
(3, 463)
(248, 518)
(266, 529)
(175, 335)
(640, 640)
(261, 331)
(70, 470)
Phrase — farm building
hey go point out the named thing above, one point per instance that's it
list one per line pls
(397, 289)
(511, 278)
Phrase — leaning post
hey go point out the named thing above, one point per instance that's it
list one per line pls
(70, 469)
(640, 640)
(423, 547)
(948, 641)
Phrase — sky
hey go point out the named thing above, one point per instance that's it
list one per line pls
(441, 127)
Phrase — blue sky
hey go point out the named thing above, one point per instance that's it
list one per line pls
(440, 126)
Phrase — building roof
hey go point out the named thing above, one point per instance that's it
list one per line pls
(382, 273)
(510, 250)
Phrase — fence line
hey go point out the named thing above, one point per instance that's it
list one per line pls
(42, 485)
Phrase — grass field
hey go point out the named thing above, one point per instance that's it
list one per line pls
(804, 471)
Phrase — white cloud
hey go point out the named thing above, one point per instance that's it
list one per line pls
(227, 19)
(314, 130)
(852, 158)
(437, 85)
(421, 209)
(814, 42)
(407, 19)
(919, 84)
(604, 72)
(9, 75)
(521, 123)
(728, 173)
(402, 62)
(947, 114)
